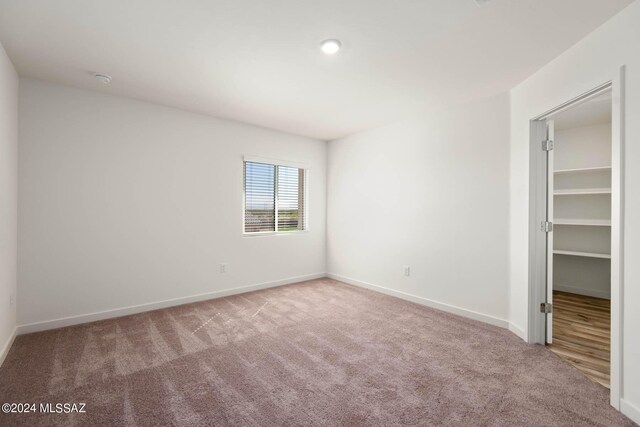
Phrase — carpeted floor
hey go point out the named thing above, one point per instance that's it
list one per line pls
(314, 353)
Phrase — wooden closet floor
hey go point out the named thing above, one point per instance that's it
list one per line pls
(581, 333)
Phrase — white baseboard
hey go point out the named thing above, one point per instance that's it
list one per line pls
(425, 301)
(125, 311)
(517, 330)
(630, 411)
(581, 291)
(7, 345)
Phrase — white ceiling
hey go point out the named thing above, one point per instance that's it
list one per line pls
(258, 61)
(595, 111)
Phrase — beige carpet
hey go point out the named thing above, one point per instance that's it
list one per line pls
(315, 353)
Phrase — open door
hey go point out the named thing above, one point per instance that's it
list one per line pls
(540, 251)
(578, 223)
(549, 229)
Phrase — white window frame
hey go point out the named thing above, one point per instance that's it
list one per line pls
(305, 200)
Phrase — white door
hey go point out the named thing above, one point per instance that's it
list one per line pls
(550, 187)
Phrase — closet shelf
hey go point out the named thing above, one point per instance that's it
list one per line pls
(581, 191)
(583, 254)
(579, 170)
(587, 222)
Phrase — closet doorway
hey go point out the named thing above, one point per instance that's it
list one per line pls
(576, 233)
(579, 276)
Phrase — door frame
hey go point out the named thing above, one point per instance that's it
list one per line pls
(550, 125)
(537, 213)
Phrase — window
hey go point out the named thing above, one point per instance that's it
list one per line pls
(274, 198)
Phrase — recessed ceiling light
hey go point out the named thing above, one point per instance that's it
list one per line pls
(330, 47)
(105, 79)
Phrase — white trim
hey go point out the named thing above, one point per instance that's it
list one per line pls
(581, 291)
(274, 233)
(517, 330)
(574, 102)
(7, 345)
(551, 135)
(276, 198)
(278, 162)
(630, 410)
(616, 85)
(425, 301)
(306, 200)
(125, 311)
(617, 237)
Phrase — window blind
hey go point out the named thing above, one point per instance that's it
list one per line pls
(260, 197)
(274, 198)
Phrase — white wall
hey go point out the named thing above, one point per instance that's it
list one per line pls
(582, 147)
(8, 198)
(593, 61)
(432, 193)
(124, 203)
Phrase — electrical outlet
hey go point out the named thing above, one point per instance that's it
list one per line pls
(406, 270)
(12, 300)
(223, 268)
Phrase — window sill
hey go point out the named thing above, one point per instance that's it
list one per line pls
(275, 233)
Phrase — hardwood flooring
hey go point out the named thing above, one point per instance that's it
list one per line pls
(581, 333)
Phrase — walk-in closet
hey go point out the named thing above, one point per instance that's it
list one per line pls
(581, 183)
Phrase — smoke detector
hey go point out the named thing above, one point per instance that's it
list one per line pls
(105, 79)
(482, 2)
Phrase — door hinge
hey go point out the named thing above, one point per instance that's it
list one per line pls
(546, 226)
(546, 307)
(547, 145)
